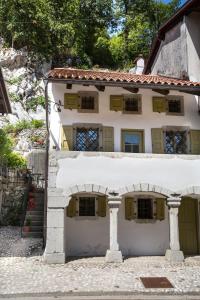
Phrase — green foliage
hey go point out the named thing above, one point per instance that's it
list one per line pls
(23, 124)
(37, 124)
(14, 97)
(15, 159)
(12, 159)
(75, 32)
(33, 103)
(15, 80)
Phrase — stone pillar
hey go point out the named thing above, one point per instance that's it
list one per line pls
(114, 254)
(174, 254)
(55, 248)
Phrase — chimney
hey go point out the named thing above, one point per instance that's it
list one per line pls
(139, 65)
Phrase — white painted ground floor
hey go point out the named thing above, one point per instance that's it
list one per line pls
(135, 218)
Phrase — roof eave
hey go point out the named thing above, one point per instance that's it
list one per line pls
(145, 85)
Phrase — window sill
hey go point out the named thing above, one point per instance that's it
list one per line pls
(86, 218)
(145, 221)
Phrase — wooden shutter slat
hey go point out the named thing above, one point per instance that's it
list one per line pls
(195, 141)
(108, 139)
(71, 101)
(129, 209)
(159, 104)
(101, 200)
(157, 140)
(116, 102)
(160, 209)
(71, 209)
(67, 137)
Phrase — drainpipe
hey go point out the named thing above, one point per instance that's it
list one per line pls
(46, 162)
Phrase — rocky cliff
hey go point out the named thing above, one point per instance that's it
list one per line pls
(24, 80)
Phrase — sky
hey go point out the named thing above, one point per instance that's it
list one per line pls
(167, 1)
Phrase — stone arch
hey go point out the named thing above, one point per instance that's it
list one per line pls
(84, 188)
(145, 187)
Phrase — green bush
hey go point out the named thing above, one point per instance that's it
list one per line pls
(33, 103)
(15, 159)
(23, 124)
(37, 123)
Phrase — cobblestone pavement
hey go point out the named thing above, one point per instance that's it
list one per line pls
(31, 275)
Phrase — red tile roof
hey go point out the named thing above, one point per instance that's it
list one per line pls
(117, 77)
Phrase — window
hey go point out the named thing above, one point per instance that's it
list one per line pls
(86, 139)
(176, 142)
(132, 141)
(145, 208)
(132, 104)
(88, 102)
(174, 105)
(87, 206)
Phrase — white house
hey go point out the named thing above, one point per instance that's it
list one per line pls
(123, 166)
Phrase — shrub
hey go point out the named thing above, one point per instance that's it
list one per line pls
(15, 159)
(37, 123)
(33, 103)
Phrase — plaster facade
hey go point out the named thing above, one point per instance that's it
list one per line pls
(146, 120)
(73, 173)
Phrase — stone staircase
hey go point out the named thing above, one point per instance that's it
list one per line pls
(33, 224)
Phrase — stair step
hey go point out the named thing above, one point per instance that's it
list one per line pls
(36, 222)
(35, 218)
(32, 234)
(36, 228)
(34, 213)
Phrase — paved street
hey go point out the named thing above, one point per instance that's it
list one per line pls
(23, 272)
(20, 275)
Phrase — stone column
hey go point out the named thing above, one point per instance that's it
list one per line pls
(114, 254)
(174, 254)
(55, 248)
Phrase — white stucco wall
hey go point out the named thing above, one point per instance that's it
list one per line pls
(193, 46)
(147, 120)
(91, 236)
(115, 171)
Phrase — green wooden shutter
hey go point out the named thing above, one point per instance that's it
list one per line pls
(157, 140)
(160, 209)
(71, 101)
(67, 138)
(195, 141)
(108, 139)
(101, 206)
(116, 102)
(71, 209)
(129, 209)
(159, 104)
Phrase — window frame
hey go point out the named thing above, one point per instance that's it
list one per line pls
(87, 126)
(142, 144)
(153, 199)
(93, 94)
(135, 97)
(175, 129)
(86, 195)
(173, 98)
